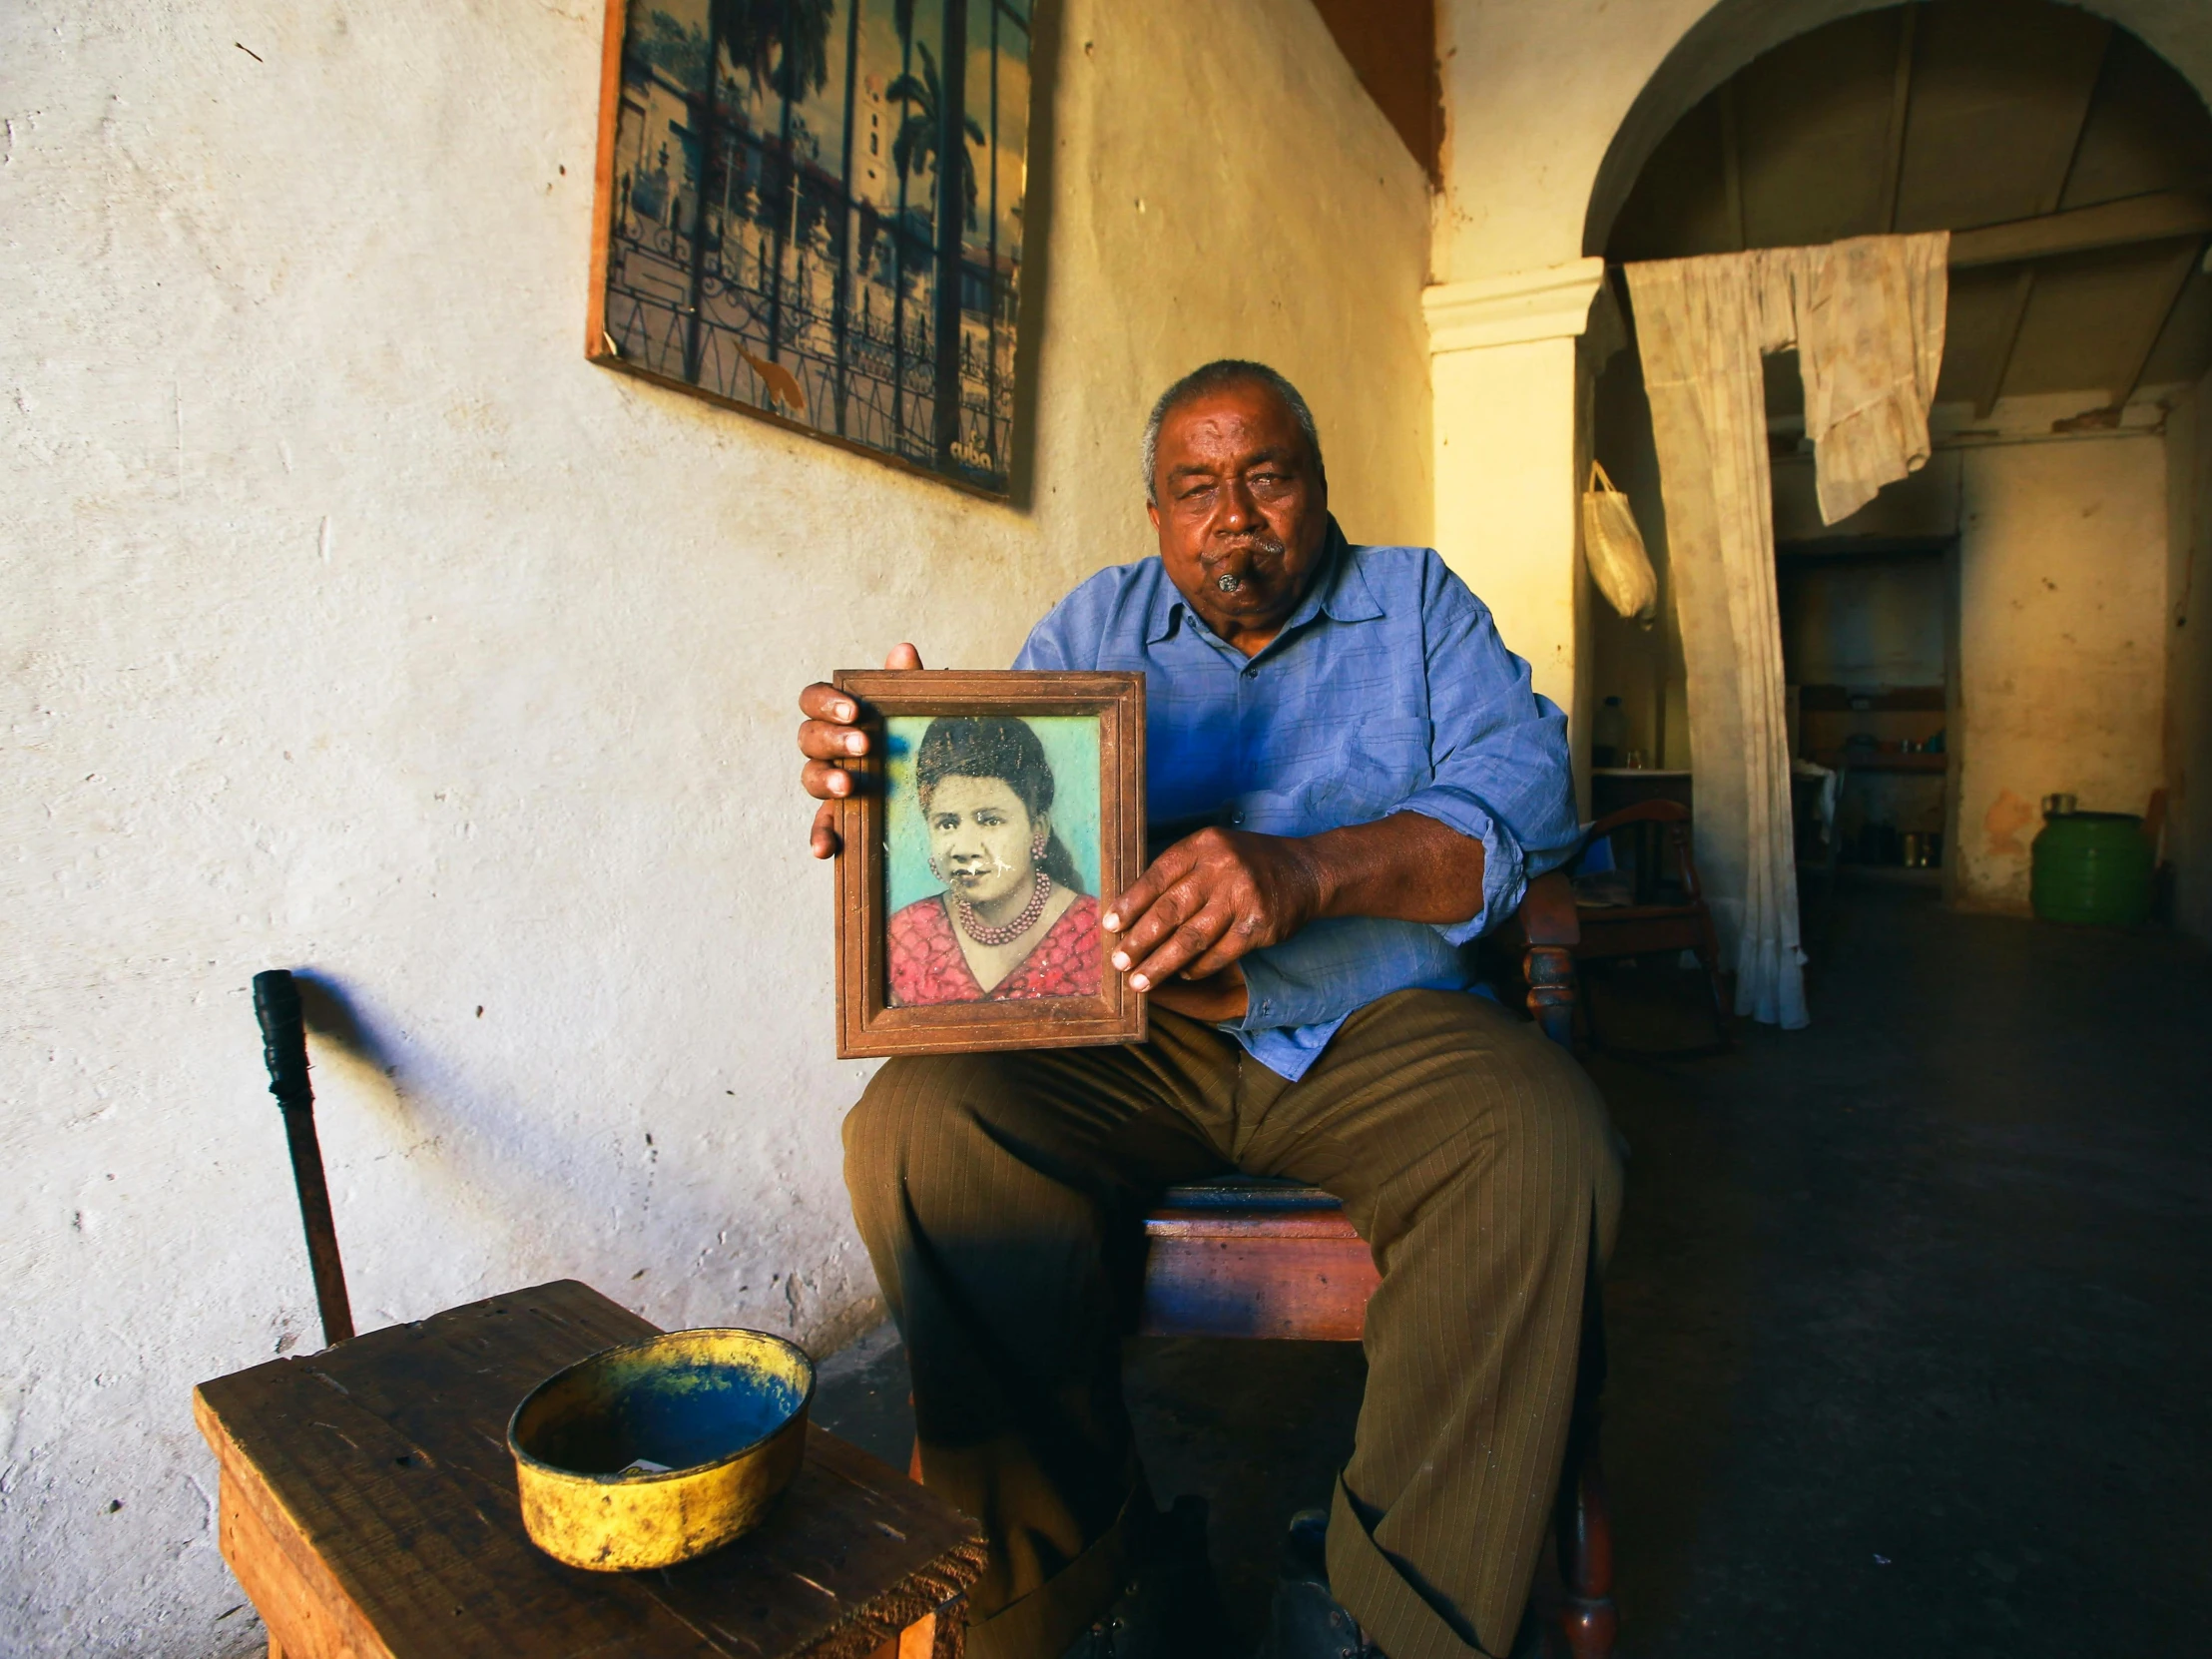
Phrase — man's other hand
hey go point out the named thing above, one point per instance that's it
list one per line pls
(1215, 895)
(1207, 900)
(831, 732)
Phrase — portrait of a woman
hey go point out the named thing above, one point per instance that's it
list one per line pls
(1013, 920)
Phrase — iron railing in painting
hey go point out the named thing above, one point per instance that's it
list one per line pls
(783, 289)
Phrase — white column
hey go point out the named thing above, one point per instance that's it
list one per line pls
(1502, 374)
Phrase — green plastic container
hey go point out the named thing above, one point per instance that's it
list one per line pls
(2091, 866)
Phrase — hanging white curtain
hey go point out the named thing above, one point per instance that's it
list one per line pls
(1868, 318)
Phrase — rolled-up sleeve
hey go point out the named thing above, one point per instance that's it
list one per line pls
(1330, 967)
(1497, 751)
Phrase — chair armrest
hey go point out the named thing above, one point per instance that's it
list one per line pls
(1547, 914)
(1676, 817)
(1545, 932)
(1644, 811)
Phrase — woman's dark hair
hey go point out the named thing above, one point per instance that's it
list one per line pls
(994, 746)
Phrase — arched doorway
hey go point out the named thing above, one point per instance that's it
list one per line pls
(1729, 35)
(2018, 597)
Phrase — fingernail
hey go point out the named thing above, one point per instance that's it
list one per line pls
(1121, 961)
(855, 744)
(845, 710)
(1112, 923)
(1141, 983)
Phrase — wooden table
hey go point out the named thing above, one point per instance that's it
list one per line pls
(368, 1508)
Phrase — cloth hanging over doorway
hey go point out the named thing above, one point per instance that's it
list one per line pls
(1867, 317)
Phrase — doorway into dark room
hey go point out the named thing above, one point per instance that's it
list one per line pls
(1867, 636)
(2069, 161)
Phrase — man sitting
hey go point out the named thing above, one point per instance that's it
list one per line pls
(1352, 779)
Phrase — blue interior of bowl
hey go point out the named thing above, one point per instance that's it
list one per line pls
(675, 1415)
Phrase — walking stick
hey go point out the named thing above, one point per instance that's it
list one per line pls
(285, 1048)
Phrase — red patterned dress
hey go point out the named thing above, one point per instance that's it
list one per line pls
(926, 964)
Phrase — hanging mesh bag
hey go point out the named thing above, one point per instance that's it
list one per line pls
(1615, 549)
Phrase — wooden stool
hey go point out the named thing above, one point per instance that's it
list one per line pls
(1245, 1258)
(368, 1508)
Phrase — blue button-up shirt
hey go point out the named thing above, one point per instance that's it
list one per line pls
(1387, 690)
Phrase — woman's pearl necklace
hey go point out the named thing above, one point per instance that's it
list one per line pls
(976, 930)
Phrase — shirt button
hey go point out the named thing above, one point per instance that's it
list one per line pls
(1250, 670)
(1236, 818)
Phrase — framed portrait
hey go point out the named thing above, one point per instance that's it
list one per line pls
(997, 813)
(811, 210)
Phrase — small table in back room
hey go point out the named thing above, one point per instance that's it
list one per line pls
(368, 1508)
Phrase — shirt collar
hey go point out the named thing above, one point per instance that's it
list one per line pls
(1346, 595)
(1341, 591)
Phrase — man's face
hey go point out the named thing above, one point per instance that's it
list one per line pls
(1242, 510)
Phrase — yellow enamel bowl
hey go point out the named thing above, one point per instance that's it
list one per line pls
(655, 1453)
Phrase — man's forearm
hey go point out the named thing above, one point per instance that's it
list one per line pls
(1219, 893)
(1404, 868)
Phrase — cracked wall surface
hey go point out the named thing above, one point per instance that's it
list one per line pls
(2061, 650)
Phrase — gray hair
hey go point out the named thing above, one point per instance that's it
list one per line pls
(1212, 377)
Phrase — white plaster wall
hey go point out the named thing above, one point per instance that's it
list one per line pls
(1535, 91)
(2061, 645)
(353, 623)
(1515, 547)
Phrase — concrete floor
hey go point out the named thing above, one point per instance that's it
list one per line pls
(1905, 1316)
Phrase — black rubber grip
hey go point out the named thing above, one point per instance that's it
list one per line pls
(283, 1039)
(285, 1048)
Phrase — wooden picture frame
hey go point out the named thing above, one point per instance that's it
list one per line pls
(767, 234)
(872, 1019)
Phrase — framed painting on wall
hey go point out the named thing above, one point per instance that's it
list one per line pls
(997, 810)
(776, 228)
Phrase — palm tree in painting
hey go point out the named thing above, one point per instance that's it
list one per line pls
(780, 43)
(916, 147)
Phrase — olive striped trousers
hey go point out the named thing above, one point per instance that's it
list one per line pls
(1000, 1197)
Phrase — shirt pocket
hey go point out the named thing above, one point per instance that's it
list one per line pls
(1383, 760)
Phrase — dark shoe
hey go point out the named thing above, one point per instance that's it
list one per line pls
(1308, 1619)
(1169, 1609)
(1307, 1622)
